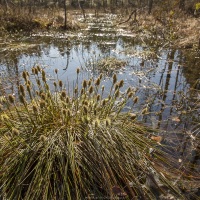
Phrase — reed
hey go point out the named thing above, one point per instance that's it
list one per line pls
(54, 145)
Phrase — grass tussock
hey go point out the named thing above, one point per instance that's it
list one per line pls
(62, 146)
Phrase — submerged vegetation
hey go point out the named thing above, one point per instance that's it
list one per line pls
(107, 65)
(56, 145)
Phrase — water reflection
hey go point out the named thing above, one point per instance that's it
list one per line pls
(162, 77)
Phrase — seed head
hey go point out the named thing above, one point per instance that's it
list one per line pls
(116, 86)
(77, 70)
(33, 70)
(114, 78)
(67, 99)
(121, 83)
(11, 98)
(84, 84)
(63, 94)
(38, 68)
(103, 102)
(24, 75)
(97, 82)
(60, 83)
(76, 90)
(43, 96)
(100, 76)
(42, 104)
(21, 89)
(28, 88)
(85, 102)
(43, 73)
(28, 82)
(103, 87)
(145, 110)
(135, 100)
(15, 131)
(38, 82)
(82, 91)
(44, 79)
(128, 90)
(89, 82)
(55, 84)
(91, 89)
(56, 71)
(36, 71)
(43, 138)
(35, 110)
(98, 97)
(47, 86)
(64, 111)
(130, 94)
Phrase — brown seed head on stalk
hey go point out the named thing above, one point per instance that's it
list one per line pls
(24, 75)
(55, 84)
(15, 131)
(91, 89)
(63, 94)
(21, 89)
(11, 98)
(33, 70)
(38, 68)
(84, 84)
(97, 82)
(114, 78)
(42, 104)
(98, 97)
(130, 94)
(121, 83)
(43, 73)
(135, 100)
(60, 83)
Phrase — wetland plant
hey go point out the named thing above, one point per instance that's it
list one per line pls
(56, 145)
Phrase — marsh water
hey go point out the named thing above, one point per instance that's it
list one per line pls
(164, 78)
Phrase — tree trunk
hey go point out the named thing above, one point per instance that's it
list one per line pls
(182, 4)
(150, 6)
(65, 22)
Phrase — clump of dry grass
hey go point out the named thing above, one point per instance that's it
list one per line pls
(62, 146)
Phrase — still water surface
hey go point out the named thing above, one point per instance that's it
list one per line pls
(162, 77)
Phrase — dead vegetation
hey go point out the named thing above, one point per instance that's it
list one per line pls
(15, 21)
(174, 28)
